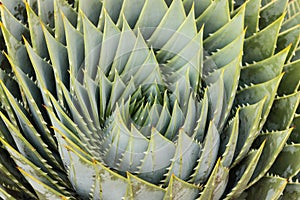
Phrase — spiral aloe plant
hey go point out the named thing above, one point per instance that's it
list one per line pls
(150, 99)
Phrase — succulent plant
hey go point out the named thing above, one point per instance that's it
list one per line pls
(154, 99)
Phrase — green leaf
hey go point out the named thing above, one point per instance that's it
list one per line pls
(255, 93)
(125, 47)
(179, 189)
(191, 115)
(230, 75)
(216, 96)
(91, 9)
(199, 131)
(131, 10)
(226, 34)
(290, 22)
(252, 17)
(30, 135)
(248, 129)
(27, 166)
(75, 48)
(291, 191)
(290, 80)
(63, 125)
(255, 50)
(295, 136)
(216, 15)
(17, 8)
(289, 38)
(179, 40)
(168, 25)
(148, 24)
(264, 70)
(46, 11)
(282, 112)
(268, 188)
(142, 190)
(34, 96)
(134, 152)
(62, 8)
(5, 195)
(199, 6)
(112, 8)
(15, 27)
(275, 142)
(17, 51)
(110, 41)
(208, 155)
(224, 56)
(177, 120)
(137, 57)
(157, 158)
(59, 61)
(287, 163)
(241, 175)
(229, 139)
(186, 155)
(42, 190)
(216, 183)
(271, 12)
(11, 185)
(36, 33)
(43, 71)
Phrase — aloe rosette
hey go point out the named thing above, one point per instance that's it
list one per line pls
(154, 99)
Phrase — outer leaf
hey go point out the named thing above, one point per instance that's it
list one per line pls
(186, 155)
(264, 70)
(131, 10)
(290, 80)
(221, 38)
(199, 6)
(16, 28)
(75, 48)
(62, 8)
(275, 142)
(224, 56)
(243, 173)
(168, 25)
(229, 138)
(271, 12)
(249, 116)
(254, 50)
(287, 163)
(148, 25)
(36, 33)
(46, 11)
(208, 155)
(142, 190)
(27, 166)
(255, 93)
(157, 158)
(216, 183)
(268, 188)
(43, 191)
(91, 9)
(282, 112)
(295, 136)
(289, 38)
(178, 189)
(291, 191)
(217, 15)
(252, 16)
(182, 37)
(17, 51)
